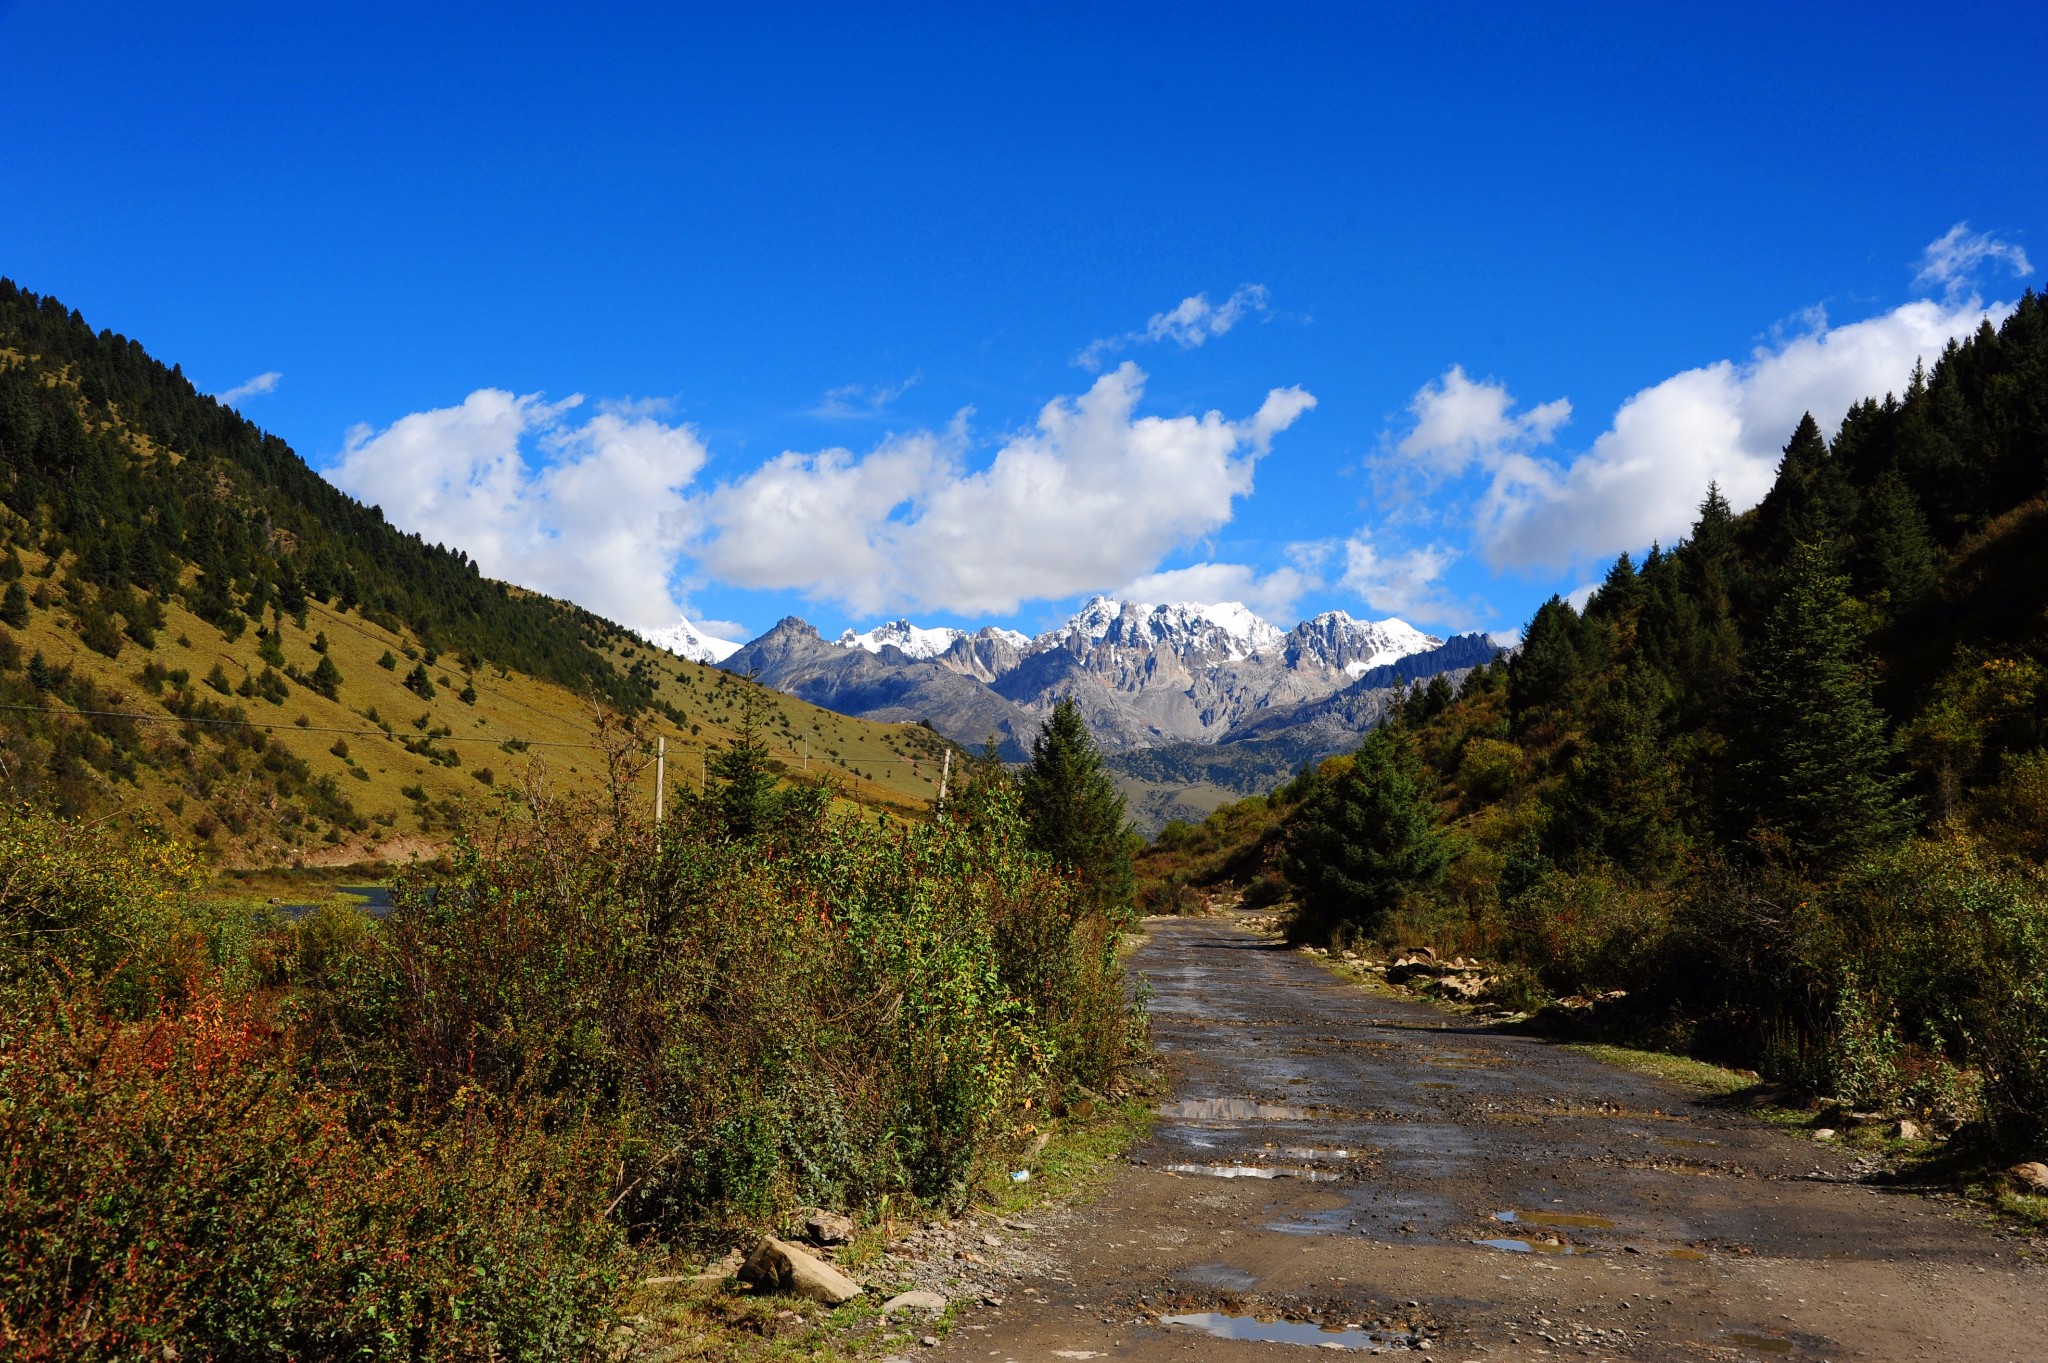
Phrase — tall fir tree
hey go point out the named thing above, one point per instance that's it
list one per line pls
(746, 795)
(1552, 659)
(1817, 752)
(1074, 812)
(1365, 840)
(1895, 556)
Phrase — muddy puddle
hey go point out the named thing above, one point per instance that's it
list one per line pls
(1306, 1175)
(1537, 1246)
(1223, 1325)
(1763, 1344)
(1559, 1220)
(1236, 1110)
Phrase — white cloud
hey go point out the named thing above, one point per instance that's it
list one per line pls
(1270, 595)
(1953, 260)
(1188, 324)
(1459, 422)
(1405, 583)
(852, 401)
(265, 382)
(1090, 497)
(598, 517)
(1578, 596)
(1643, 478)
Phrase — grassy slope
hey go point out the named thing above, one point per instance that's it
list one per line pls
(866, 759)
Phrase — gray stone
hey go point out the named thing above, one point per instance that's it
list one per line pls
(1906, 1129)
(928, 1303)
(780, 1267)
(829, 1228)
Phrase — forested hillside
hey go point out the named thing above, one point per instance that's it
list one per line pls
(201, 635)
(1783, 783)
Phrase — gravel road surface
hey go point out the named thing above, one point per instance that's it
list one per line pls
(1340, 1170)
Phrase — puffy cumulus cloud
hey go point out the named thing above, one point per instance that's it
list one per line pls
(591, 510)
(1188, 324)
(1459, 422)
(1406, 583)
(265, 382)
(1953, 260)
(1643, 478)
(1271, 595)
(1091, 496)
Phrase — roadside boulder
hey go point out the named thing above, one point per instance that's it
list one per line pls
(924, 1303)
(1468, 987)
(2031, 1177)
(777, 1266)
(829, 1228)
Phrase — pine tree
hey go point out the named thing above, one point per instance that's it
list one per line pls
(1895, 554)
(1620, 593)
(1708, 647)
(14, 605)
(326, 678)
(1620, 793)
(1816, 747)
(1552, 657)
(419, 683)
(1363, 843)
(1073, 811)
(746, 795)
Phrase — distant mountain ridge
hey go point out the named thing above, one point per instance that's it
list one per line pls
(1164, 688)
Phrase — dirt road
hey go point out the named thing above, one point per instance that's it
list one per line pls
(1372, 1174)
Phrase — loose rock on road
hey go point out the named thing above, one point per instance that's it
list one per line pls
(1339, 1169)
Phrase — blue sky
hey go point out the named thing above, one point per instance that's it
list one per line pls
(860, 311)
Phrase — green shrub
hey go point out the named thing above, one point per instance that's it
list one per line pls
(1588, 932)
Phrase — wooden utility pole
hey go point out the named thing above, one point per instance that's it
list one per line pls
(660, 776)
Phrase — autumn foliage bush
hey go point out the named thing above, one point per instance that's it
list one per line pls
(439, 1136)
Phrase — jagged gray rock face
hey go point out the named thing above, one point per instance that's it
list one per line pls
(1178, 694)
(983, 655)
(889, 686)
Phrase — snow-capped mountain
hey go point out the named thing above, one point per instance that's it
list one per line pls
(1354, 647)
(1144, 674)
(685, 640)
(1182, 695)
(917, 641)
(1226, 630)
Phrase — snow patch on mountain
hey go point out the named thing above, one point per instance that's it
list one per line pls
(685, 640)
(1182, 627)
(916, 641)
(1200, 633)
(1355, 647)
